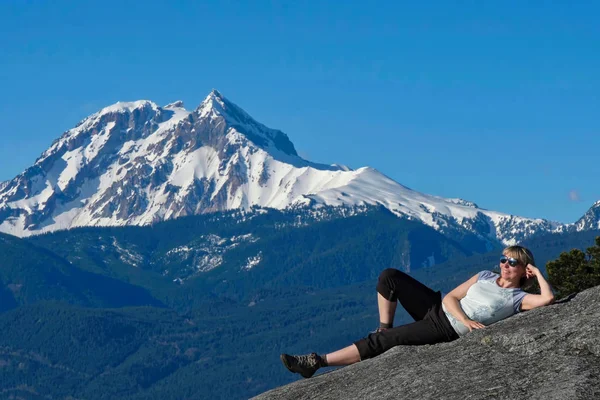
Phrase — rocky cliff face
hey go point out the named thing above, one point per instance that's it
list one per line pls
(548, 353)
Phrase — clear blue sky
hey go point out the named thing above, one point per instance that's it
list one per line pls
(494, 102)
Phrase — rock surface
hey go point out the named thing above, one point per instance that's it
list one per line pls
(549, 353)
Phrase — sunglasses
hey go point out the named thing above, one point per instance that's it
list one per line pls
(513, 262)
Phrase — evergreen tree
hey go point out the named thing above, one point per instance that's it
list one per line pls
(575, 270)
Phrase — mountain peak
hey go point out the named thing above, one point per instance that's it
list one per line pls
(214, 103)
(215, 93)
(463, 202)
(128, 106)
(175, 104)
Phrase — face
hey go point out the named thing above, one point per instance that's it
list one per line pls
(511, 268)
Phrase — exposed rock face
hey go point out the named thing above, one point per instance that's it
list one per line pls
(549, 353)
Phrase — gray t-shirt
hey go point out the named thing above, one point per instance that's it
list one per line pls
(486, 302)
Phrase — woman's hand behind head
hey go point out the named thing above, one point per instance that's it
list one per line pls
(531, 271)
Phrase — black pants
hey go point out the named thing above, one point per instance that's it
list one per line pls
(423, 304)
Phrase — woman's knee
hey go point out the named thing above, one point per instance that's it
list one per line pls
(388, 281)
(389, 273)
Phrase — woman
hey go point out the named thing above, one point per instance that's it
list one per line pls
(482, 300)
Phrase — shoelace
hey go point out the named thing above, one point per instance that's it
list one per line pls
(309, 360)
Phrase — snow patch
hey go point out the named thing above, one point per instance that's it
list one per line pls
(127, 256)
(252, 262)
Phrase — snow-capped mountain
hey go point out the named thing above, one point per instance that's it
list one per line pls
(590, 220)
(137, 163)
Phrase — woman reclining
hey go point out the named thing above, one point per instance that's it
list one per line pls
(482, 300)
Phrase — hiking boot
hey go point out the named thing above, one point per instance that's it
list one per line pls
(305, 365)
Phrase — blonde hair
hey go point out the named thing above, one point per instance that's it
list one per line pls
(525, 257)
(521, 254)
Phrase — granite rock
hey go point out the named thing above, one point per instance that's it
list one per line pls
(549, 353)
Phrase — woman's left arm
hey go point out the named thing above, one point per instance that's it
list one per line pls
(531, 301)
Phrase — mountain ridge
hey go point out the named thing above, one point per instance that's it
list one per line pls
(136, 163)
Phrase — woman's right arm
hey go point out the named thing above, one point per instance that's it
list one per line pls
(451, 302)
